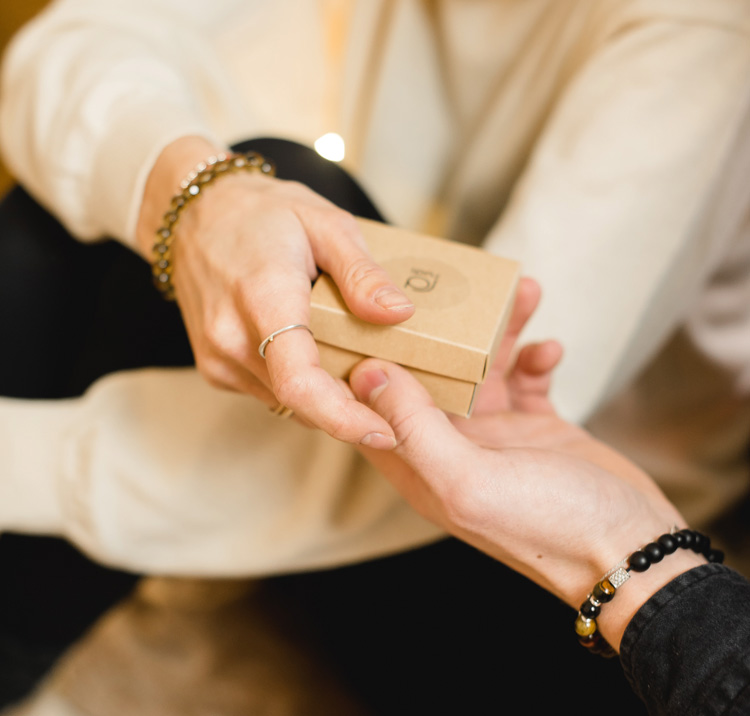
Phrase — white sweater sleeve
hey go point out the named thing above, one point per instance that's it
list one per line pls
(154, 471)
(93, 91)
(631, 198)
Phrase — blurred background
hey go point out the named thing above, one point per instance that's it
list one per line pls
(14, 14)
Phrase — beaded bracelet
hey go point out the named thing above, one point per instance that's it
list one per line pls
(193, 184)
(605, 590)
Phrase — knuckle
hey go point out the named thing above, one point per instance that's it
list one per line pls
(291, 389)
(336, 427)
(361, 271)
(296, 187)
(253, 296)
(345, 222)
(297, 193)
(225, 335)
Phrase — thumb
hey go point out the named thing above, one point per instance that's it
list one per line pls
(426, 439)
(365, 286)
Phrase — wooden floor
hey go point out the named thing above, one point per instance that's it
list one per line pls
(13, 14)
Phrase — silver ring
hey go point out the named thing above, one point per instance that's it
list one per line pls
(281, 411)
(262, 347)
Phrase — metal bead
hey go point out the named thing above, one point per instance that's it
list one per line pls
(205, 173)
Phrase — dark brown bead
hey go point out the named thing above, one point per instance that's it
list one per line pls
(604, 591)
(591, 641)
(590, 610)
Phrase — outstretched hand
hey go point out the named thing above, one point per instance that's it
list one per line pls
(537, 493)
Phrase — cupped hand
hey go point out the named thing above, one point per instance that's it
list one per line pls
(537, 493)
(244, 256)
(531, 490)
(520, 382)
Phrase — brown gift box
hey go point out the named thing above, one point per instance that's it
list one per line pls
(463, 298)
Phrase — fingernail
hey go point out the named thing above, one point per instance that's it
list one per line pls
(379, 441)
(369, 385)
(391, 298)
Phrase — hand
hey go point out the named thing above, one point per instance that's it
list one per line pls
(245, 255)
(539, 494)
(524, 386)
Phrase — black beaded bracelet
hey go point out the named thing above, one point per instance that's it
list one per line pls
(604, 590)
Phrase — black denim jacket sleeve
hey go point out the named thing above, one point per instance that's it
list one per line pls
(686, 652)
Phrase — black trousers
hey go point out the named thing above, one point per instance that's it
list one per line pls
(439, 630)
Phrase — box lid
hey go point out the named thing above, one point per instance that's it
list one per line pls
(463, 298)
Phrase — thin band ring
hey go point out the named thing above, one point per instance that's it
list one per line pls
(262, 347)
(281, 411)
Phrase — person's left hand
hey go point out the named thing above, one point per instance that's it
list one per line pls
(519, 483)
(533, 491)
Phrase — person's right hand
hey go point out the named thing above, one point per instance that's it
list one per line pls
(245, 254)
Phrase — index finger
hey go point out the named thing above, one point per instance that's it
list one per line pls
(278, 299)
(300, 384)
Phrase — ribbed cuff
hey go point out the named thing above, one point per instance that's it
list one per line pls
(30, 465)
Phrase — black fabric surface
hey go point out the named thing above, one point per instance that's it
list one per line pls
(687, 650)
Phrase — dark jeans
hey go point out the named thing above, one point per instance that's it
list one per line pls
(438, 630)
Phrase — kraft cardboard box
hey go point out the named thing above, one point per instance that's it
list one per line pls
(463, 297)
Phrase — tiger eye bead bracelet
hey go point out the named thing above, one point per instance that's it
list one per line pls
(604, 591)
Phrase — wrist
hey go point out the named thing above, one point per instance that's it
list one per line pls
(601, 630)
(174, 163)
(614, 619)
